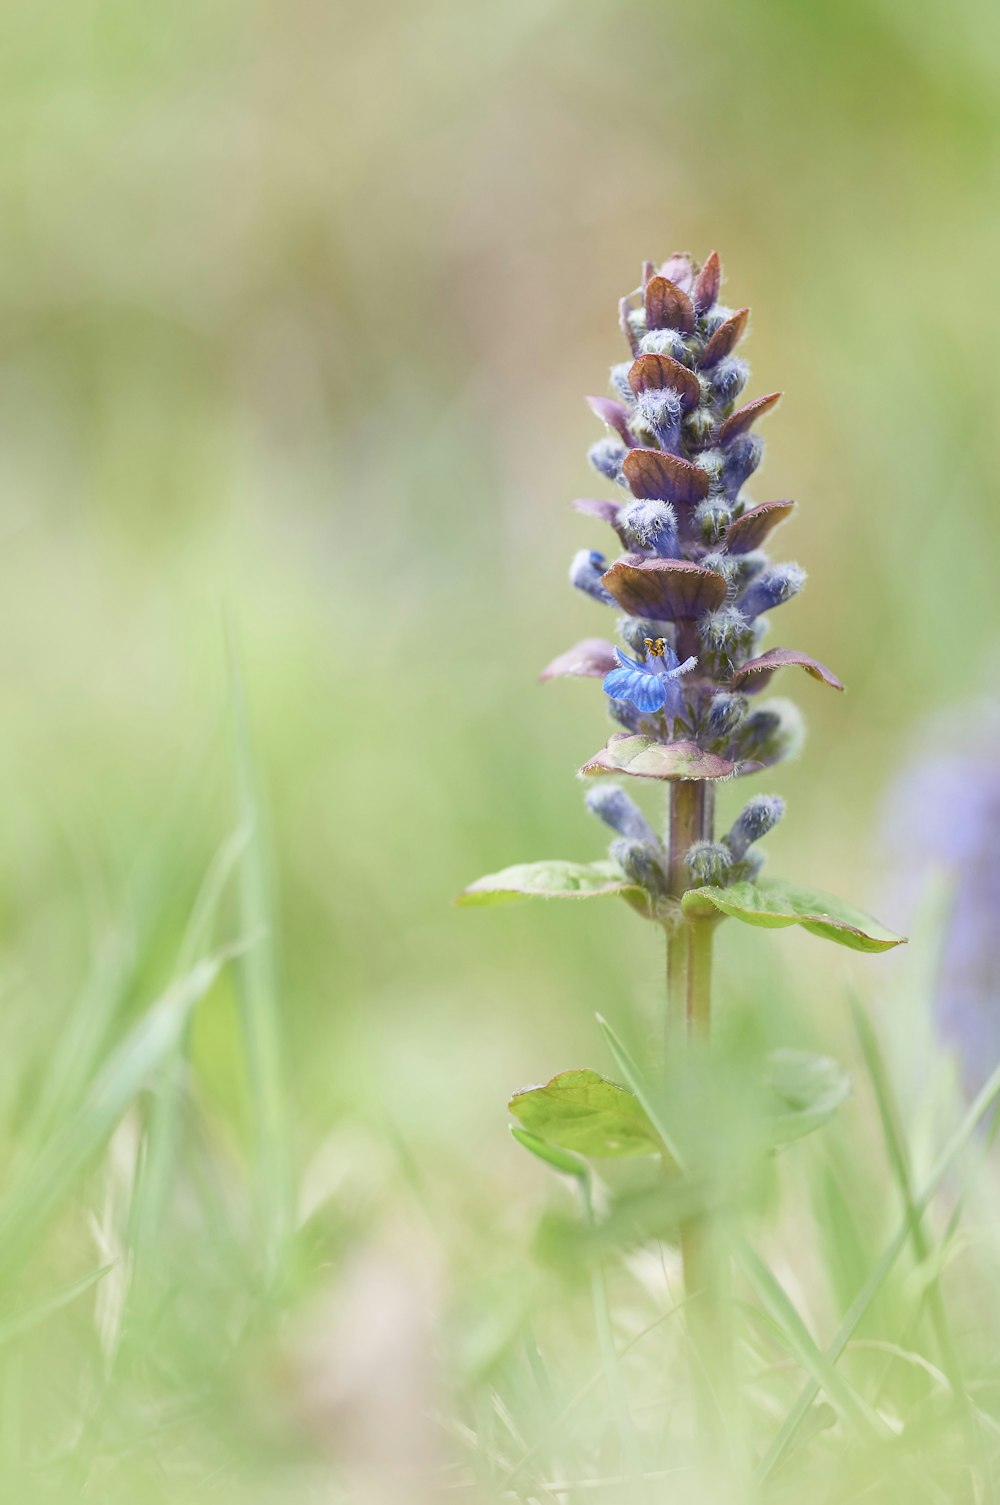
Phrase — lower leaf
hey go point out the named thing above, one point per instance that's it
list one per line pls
(774, 904)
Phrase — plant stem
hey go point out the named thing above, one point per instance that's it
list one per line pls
(692, 810)
(689, 1015)
(699, 977)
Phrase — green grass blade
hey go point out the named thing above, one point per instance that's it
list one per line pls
(260, 1004)
(800, 1342)
(23, 1322)
(635, 1079)
(42, 1184)
(163, 1133)
(899, 1161)
(953, 1148)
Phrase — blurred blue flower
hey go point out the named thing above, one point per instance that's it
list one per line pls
(943, 816)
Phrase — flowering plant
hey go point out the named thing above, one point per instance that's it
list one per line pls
(694, 590)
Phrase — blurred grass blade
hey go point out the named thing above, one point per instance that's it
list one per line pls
(954, 1147)
(260, 1005)
(800, 1342)
(163, 1133)
(41, 1185)
(635, 1079)
(899, 1161)
(23, 1322)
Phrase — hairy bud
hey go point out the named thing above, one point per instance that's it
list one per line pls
(665, 342)
(728, 379)
(772, 733)
(715, 317)
(640, 862)
(606, 457)
(758, 816)
(711, 519)
(614, 807)
(771, 588)
(652, 526)
(620, 383)
(712, 462)
(709, 862)
(742, 458)
(699, 426)
(727, 712)
(658, 413)
(585, 573)
(726, 635)
(635, 630)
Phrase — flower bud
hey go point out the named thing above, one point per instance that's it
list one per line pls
(748, 868)
(714, 317)
(772, 588)
(712, 462)
(658, 412)
(773, 732)
(636, 318)
(728, 379)
(711, 519)
(727, 712)
(640, 862)
(626, 715)
(699, 426)
(606, 457)
(635, 630)
(726, 635)
(585, 573)
(665, 342)
(617, 810)
(650, 525)
(758, 816)
(620, 383)
(736, 569)
(742, 458)
(709, 862)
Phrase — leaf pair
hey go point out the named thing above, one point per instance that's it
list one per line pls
(770, 904)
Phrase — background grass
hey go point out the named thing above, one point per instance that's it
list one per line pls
(298, 304)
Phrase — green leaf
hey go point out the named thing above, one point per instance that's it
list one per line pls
(775, 904)
(583, 1111)
(551, 880)
(807, 1090)
(645, 758)
(559, 1160)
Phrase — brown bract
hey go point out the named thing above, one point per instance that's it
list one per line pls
(654, 372)
(668, 306)
(749, 531)
(670, 590)
(591, 658)
(740, 421)
(725, 338)
(755, 675)
(614, 414)
(653, 475)
(644, 758)
(707, 283)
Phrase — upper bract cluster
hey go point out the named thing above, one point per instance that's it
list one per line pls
(693, 584)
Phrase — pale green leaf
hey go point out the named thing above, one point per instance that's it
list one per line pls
(805, 1090)
(584, 1112)
(554, 879)
(773, 904)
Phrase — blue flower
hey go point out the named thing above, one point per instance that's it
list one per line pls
(653, 685)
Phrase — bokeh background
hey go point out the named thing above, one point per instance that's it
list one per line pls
(298, 306)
